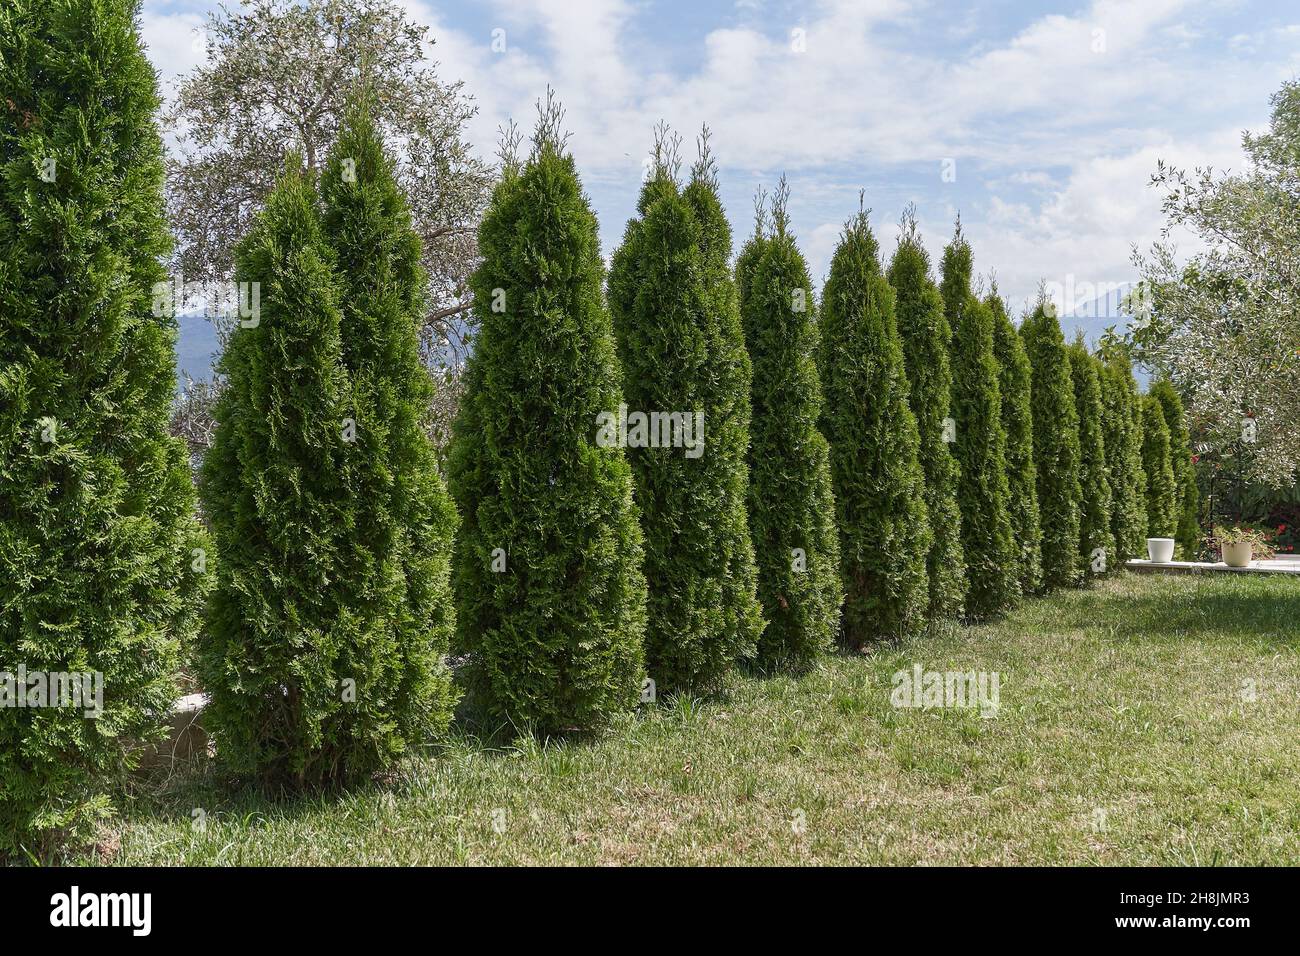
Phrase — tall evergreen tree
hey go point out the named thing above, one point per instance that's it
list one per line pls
(732, 437)
(1188, 531)
(404, 519)
(101, 558)
(1157, 465)
(1096, 540)
(283, 627)
(955, 270)
(678, 328)
(878, 482)
(923, 328)
(1122, 428)
(1015, 389)
(547, 570)
(982, 490)
(1056, 444)
(791, 504)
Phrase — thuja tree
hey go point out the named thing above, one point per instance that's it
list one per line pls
(1121, 419)
(1096, 540)
(982, 493)
(791, 505)
(923, 329)
(550, 594)
(877, 479)
(732, 437)
(1015, 390)
(399, 562)
(1188, 531)
(682, 350)
(285, 627)
(1157, 465)
(1056, 444)
(100, 555)
(955, 276)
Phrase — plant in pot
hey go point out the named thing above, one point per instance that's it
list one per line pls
(1240, 546)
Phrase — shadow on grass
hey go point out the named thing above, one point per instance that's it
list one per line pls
(200, 788)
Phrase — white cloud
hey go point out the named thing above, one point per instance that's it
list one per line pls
(1056, 125)
(175, 43)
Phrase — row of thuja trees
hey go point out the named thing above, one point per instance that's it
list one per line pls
(844, 474)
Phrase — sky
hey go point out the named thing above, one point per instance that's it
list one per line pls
(1039, 122)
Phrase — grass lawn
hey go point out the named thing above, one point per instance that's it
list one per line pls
(1126, 735)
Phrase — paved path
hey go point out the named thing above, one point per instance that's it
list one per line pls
(1275, 566)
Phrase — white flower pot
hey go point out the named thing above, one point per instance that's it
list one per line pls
(1160, 550)
(1237, 554)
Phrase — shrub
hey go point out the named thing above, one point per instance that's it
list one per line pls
(1161, 485)
(1015, 388)
(1122, 433)
(878, 483)
(1188, 508)
(791, 505)
(547, 568)
(275, 490)
(923, 329)
(982, 492)
(100, 555)
(1096, 540)
(400, 540)
(678, 330)
(1056, 444)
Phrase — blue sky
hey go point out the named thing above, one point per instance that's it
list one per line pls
(1048, 117)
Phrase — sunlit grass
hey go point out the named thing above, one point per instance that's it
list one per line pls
(1127, 734)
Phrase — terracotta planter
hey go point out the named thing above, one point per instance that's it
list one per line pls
(1237, 554)
(1160, 550)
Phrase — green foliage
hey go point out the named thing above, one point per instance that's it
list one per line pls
(955, 277)
(1095, 532)
(1188, 532)
(1157, 465)
(99, 551)
(878, 482)
(982, 491)
(791, 505)
(1056, 445)
(283, 626)
(1222, 323)
(399, 560)
(1015, 388)
(554, 636)
(925, 335)
(1121, 419)
(677, 323)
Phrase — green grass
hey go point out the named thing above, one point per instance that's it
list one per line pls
(1123, 737)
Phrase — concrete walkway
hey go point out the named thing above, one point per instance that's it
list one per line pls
(1273, 566)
